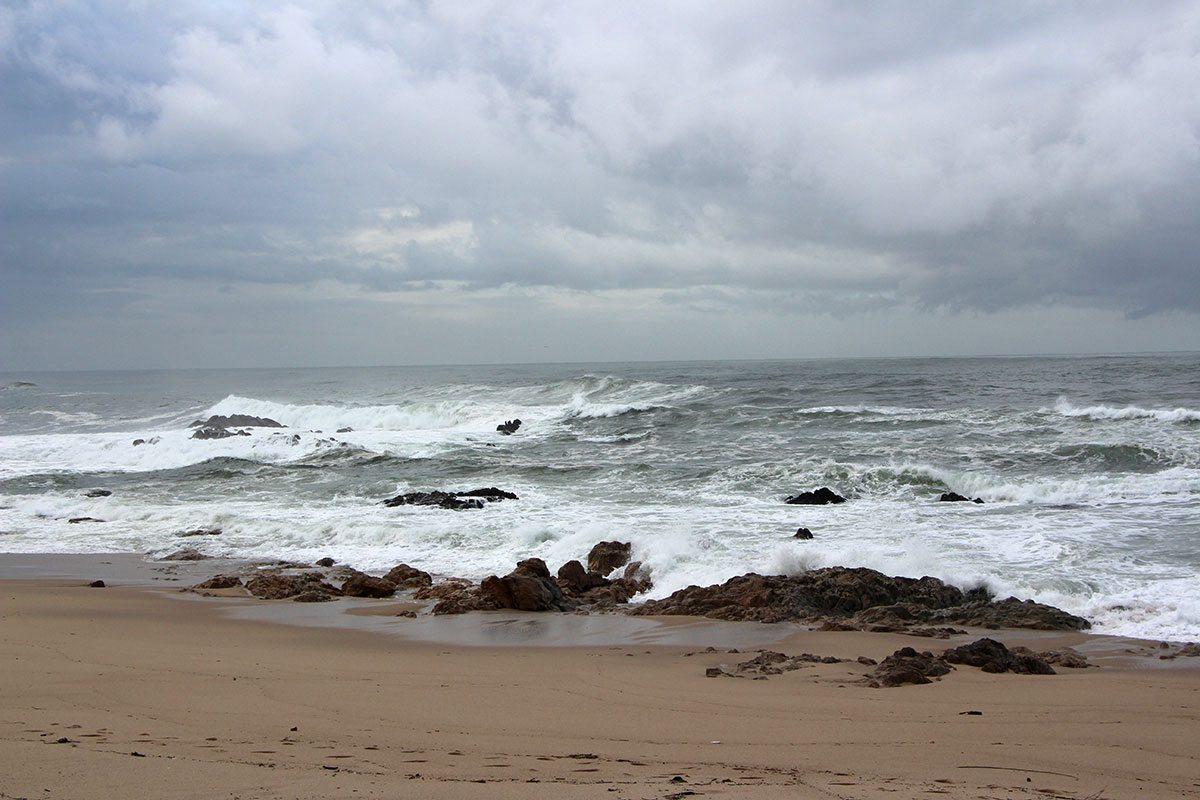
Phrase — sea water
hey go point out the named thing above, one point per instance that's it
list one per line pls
(1089, 469)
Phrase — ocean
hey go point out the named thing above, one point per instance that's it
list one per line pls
(1088, 468)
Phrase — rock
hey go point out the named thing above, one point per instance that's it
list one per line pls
(273, 586)
(139, 442)
(406, 577)
(638, 573)
(313, 596)
(219, 582)
(77, 520)
(860, 596)
(820, 497)
(509, 427)
(802, 533)
(186, 554)
(363, 585)
(607, 556)
(451, 500)
(325, 562)
(96, 585)
(992, 656)
(1067, 657)
(575, 580)
(347, 429)
(200, 532)
(987, 654)
(527, 588)
(236, 421)
(955, 497)
(212, 432)
(906, 665)
(97, 493)
(491, 494)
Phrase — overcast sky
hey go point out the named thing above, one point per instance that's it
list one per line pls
(326, 183)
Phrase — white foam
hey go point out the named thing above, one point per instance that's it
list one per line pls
(1102, 412)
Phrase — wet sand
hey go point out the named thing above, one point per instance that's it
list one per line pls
(135, 690)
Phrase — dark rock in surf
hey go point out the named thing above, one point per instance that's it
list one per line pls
(77, 520)
(140, 442)
(906, 665)
(955, 497)
(345, 430)
(324, 562)
(607, 556)
(212, 432)
(456, 501)
(802, 533)
(527, 588)
(97, 493)
(509, 427)
(406, 577)
(236, 421)
(820, 497)
(362, 585)
(200, 532)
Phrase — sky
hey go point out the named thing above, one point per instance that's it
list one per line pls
(229, 184)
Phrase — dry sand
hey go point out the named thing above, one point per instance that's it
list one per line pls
(135, 692)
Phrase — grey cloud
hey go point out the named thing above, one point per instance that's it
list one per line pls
(849, 156)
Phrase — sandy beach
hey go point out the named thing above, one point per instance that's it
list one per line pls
(137, 690)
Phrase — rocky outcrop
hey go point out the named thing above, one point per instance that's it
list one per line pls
(199, 532)
(362, 585)
(406, 577)
(770, 662)
(324, 562)
(955, 497)
(906, 665)
(802, 533)
(607, 556)
(97, 493)
(527, 588)
(575, 580)
(820, 497)
(456, 501)
(236, 421)
(859, 596)
(275, 586)
(509, 427)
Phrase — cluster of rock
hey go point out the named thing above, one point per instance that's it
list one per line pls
(531, 587)
(218, 426)
(955, 497)
(859, 598)
(819, 497)
(509, 426)
(456, 501)
(310, 586)
(906, 665)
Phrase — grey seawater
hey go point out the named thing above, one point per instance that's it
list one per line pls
(1089, 469)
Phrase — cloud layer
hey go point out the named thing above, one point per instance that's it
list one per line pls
(833, 157)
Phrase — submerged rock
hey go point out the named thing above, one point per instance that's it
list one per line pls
(273, 586)
(802, 533)
(97, 493)
(509, 427)
(820, 497)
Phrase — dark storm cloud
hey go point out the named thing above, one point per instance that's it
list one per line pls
(805, 156)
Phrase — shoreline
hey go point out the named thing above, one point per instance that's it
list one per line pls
(183, 699)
